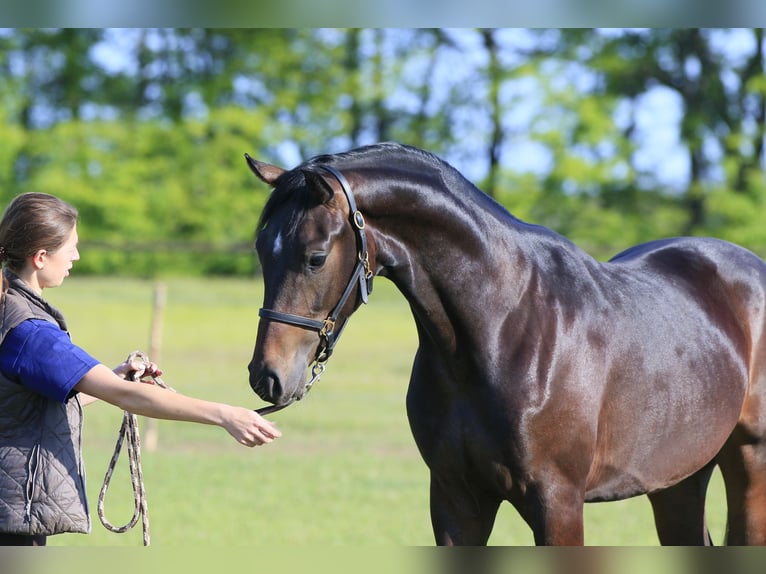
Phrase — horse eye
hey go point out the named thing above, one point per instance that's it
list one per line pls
(316, 260)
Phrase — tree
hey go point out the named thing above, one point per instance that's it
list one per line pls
(51, 73)
(549, 122)
(494, 80)
(721, 94)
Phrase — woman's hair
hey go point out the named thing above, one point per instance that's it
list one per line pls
(31, 222)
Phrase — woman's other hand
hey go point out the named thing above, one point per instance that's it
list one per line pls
(137, 367)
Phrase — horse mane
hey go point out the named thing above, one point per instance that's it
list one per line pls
(419, 164)
(290, 186)
(380, 153)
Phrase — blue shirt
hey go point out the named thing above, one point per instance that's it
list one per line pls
(42, 357)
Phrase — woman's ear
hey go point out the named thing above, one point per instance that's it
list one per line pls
(38, 259)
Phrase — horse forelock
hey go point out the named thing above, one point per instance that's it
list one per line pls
(290, 186)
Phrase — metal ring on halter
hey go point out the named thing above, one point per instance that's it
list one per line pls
(316, 374)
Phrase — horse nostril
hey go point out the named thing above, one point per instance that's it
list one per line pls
(266, 384)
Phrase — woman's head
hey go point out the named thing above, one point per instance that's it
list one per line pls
(34, 222)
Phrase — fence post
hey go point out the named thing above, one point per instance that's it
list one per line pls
(151, 435)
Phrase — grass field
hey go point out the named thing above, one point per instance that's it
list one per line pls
(346, 471)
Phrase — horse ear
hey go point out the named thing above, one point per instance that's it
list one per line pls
(266, 172)
(318, 186)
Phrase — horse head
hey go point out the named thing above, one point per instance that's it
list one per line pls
(310, 240)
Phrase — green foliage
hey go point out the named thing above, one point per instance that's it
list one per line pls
(739, 217)
(13, 138)
(599, 224)
(150, 150)
(156, 198)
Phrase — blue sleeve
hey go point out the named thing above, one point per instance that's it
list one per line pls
(42, 357)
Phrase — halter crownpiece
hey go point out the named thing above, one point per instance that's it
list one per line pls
(361, 276)
(358, 223)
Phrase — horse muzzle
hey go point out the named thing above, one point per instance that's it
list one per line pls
(267, 384)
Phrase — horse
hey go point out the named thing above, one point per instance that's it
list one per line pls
(543, 377)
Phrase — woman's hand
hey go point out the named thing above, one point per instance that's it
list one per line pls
(248, 427)
(137, 367)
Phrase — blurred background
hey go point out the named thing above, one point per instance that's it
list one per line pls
(609, 136)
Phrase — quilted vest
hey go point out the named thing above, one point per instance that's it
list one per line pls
(42, 477)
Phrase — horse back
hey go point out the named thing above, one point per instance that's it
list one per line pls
(726, 280)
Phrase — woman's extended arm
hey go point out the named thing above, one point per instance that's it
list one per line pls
(122, 370)
(245, 425)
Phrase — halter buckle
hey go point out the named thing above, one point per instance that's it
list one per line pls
(365, 260)
(327, 328)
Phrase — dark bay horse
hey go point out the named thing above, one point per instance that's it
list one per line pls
(543, 377)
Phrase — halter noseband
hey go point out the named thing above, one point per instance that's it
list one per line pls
(328, 335)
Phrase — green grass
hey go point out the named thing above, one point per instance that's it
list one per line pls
(346, 471)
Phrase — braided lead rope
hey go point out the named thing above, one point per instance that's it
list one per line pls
(129, 430)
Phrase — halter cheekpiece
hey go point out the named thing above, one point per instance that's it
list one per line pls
(328, 333)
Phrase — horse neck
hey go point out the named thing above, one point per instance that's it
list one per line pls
(444, 251)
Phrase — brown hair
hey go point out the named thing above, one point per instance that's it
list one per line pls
(31, 222)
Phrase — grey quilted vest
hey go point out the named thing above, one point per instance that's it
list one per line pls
(42, 477)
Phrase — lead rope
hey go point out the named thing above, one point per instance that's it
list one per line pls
(129, 431)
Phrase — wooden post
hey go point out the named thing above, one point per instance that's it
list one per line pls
(151, 436)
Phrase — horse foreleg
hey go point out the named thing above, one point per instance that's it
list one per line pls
(554, 511)
(679, 511)
(460, 515)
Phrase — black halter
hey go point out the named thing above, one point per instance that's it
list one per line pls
(328, 334)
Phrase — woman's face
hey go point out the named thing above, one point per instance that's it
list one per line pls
(59, 262)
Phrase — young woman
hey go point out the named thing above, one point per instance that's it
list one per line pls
(45, 380)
